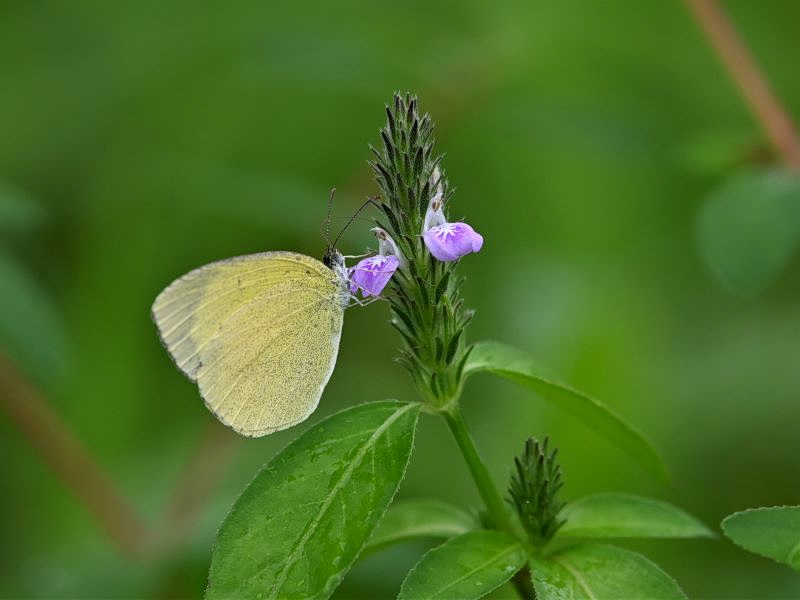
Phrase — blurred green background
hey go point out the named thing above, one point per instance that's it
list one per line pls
(141, 139)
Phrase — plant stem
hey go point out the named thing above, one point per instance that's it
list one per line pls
(488, 491)
(491, 498)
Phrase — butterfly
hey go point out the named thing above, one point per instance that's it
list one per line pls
(258, 334)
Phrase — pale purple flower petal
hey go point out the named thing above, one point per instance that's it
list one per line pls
(451, 241)
(372, 274)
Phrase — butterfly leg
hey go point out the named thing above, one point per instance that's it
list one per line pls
(355, 301)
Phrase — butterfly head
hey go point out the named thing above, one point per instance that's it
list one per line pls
(333, 259)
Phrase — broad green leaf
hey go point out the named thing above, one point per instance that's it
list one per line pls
(600, 572)
(749, 228)
(298, 527)
(420, 519)
(772, 532)
(625, 515)
(468, 566)
(517, 366)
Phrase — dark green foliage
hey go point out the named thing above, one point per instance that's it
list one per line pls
(534, 491)
(425, 302)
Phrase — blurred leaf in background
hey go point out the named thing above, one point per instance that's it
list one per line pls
(19, 212)
(749, 228)
(31, 329)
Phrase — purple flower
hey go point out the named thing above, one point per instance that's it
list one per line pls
(448, 241)
(451, 241)
(372, 274)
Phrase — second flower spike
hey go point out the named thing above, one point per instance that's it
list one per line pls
(448, 241)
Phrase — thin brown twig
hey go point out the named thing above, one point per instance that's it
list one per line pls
(69, 459)
(61, 450)
(752, 83)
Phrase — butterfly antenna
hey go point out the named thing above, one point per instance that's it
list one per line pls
(371, 200)
(327, 223)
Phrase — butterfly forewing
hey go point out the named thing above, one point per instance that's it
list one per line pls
(259, 334)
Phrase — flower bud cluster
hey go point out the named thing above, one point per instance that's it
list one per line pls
(534, 491)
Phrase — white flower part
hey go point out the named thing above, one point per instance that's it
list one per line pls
(434, 216)
(375, 262)
(447, 230)
(436, 180)
(386, 245)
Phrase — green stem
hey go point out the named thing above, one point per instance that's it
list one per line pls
(494, 503)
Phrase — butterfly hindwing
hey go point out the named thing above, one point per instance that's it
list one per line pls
(258, 333)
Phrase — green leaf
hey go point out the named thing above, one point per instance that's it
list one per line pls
(420, 519)
(600, 572)
(771, 532)
(298, 527)
(517, 366)
(468, 566)
(625, 515)
(749, 228)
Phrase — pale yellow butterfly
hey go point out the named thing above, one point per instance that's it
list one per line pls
(259, 334)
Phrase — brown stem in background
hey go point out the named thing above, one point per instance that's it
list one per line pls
(62, 451)
(32, 415)
(751, 82)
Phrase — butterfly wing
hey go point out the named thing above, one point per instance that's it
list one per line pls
(259, 334)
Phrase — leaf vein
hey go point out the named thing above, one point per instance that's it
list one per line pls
(577, 575)
(474, 570)
(296, 552)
